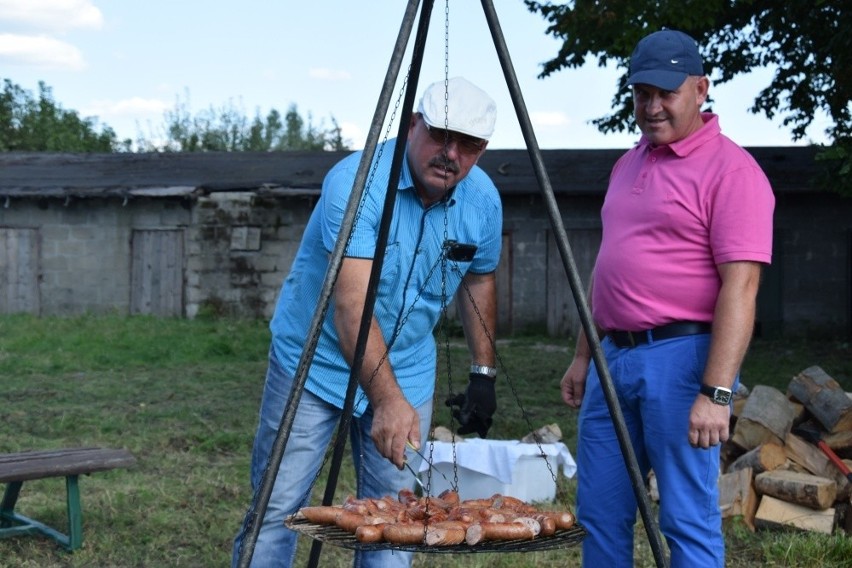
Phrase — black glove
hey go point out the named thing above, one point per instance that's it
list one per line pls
(476, 406)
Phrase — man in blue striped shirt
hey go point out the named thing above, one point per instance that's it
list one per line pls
(444, 238)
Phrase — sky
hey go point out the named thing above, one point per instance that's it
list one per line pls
(128, 62)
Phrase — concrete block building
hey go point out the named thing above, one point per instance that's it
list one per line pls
(180, 234)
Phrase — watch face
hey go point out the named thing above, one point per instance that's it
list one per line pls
(718, 395)
(721, 397)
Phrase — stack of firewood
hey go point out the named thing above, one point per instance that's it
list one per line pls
(787, 462)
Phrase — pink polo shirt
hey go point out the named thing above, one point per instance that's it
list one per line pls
(671, 215)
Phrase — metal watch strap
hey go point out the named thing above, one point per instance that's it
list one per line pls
(484, 370)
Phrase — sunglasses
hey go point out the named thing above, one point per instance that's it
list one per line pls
(466, 144)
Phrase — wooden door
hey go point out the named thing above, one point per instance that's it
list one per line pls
(19, 271)
(563, 317)
(156, 273)
(504, 287)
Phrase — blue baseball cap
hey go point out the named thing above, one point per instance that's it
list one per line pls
(664, 60)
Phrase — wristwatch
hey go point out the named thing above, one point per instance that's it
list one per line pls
(490, 372)
(719, 395)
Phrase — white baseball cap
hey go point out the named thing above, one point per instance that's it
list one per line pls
(466, 108)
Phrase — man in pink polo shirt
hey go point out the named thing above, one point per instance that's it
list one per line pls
(687, 227)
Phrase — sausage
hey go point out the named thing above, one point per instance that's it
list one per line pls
(427, 510)
(463, 514)
(407, 496)
(477, 503)
(370, 533)
(481, 532)
(493, 516)
(356, 505)
(416, 512)
(386, 504)
(451, 524)
(437, 503)
(445, 534)
(512, 503)
(450, 496)
(439, 521)
(438, 517)
(349, 521)
(381, 518)
(321, 515)
(404, 533)
(533, 524)
(548, 525)
(474, 534)
(564, 519)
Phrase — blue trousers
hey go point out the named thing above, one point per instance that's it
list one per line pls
(315, 423)
(657, 384)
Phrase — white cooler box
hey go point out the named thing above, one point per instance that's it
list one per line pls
(508, 467)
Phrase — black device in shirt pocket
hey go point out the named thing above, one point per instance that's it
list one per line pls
(459, 252)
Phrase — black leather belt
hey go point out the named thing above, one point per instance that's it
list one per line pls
(676, 329)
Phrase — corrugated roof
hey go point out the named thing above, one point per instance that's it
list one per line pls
(187, 175)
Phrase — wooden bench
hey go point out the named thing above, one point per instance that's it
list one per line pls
(69, 463)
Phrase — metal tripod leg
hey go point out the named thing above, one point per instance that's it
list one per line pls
(576, 286)
(261, 500)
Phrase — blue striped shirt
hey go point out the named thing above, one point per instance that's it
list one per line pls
(413, 279)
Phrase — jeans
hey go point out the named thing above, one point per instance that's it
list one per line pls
(657, 385)
(315, 423)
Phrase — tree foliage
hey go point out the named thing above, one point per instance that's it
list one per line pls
(229, 129)
(807, 44)
(42, 125)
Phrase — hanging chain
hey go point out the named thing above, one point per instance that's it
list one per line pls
(444, 317)
(377, 159)
(444, 328)
(443, 260)
(443, 264)
(509, 382)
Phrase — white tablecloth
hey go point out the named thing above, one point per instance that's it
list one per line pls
(497, 458)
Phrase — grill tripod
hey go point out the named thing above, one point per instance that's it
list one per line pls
(261, 498)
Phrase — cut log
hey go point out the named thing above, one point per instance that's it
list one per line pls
(653, 488)
(806, 455)
(765, 457)
(800, 488)
(821, 466)
(737, 496)
(840, 442)
(793, 466)
(844, 488)
(823, 397)
(737, 408)
(800, 413)
(774, 513)
(766, 417)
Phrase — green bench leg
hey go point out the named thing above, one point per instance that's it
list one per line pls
(75, 513)
(13, 524)
(7, 506)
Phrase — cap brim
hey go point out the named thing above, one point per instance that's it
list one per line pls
(666, 80)
(455, 128)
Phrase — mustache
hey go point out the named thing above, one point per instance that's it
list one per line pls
(444, 163)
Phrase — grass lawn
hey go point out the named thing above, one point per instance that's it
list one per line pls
(183, 396)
